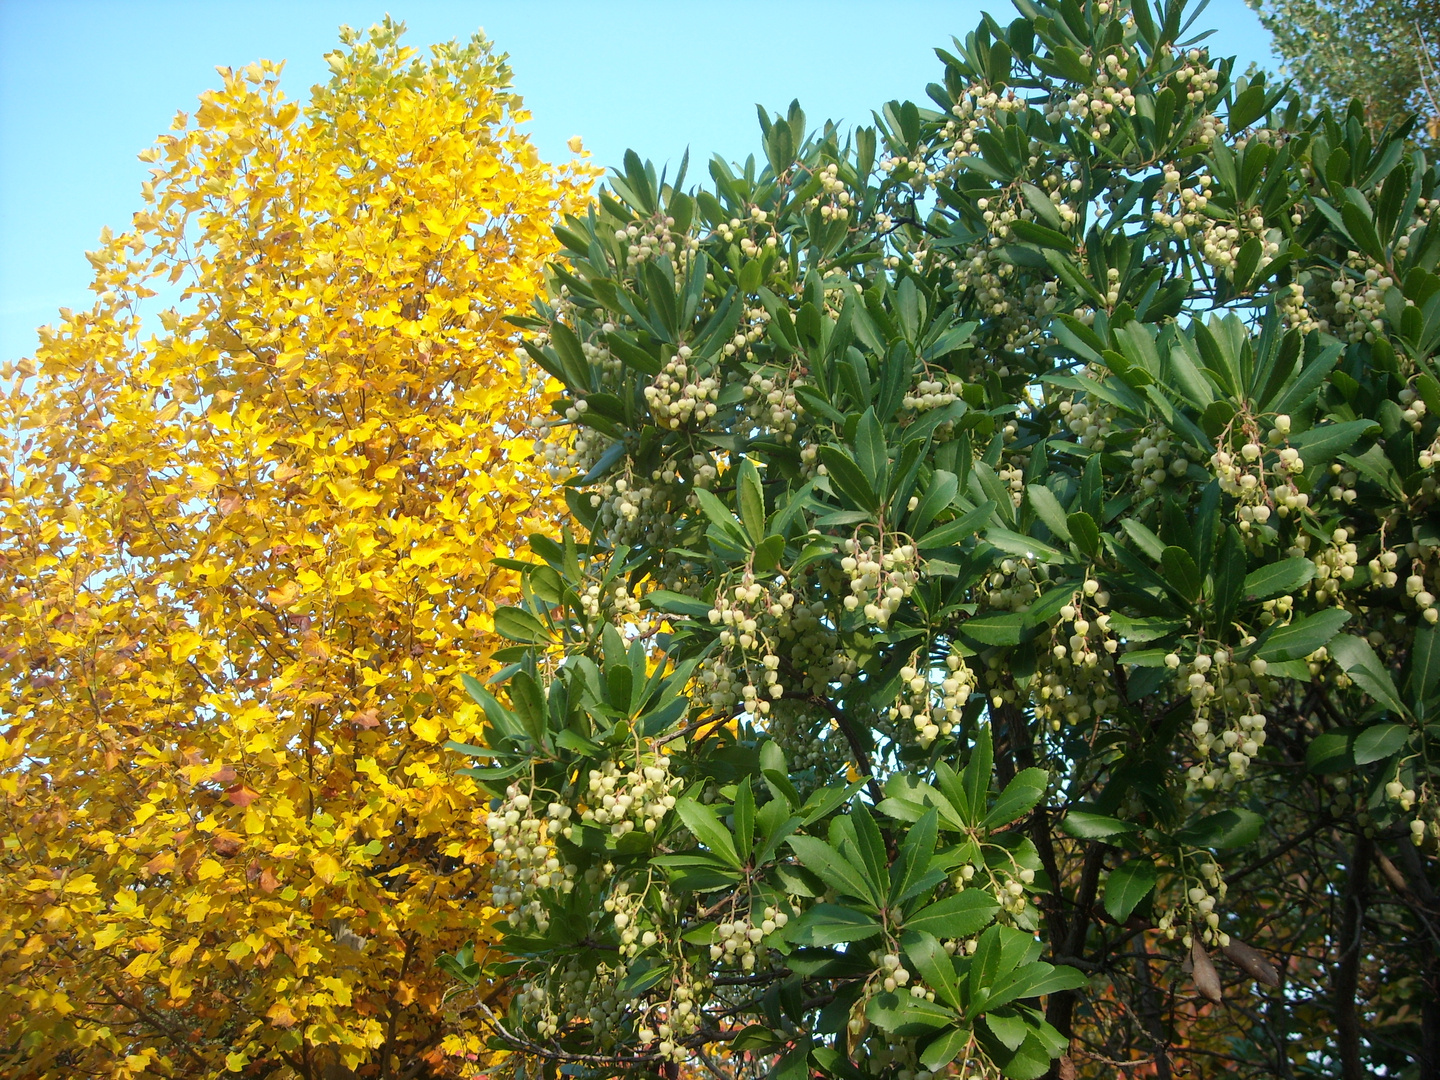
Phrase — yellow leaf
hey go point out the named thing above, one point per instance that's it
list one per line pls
(325, 867)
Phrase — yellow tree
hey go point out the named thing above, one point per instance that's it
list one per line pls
(246, 548)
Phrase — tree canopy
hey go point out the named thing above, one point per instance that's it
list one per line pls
(1383, 51)
(246, 548)
(999, 634)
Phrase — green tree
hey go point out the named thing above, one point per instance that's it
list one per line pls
(1006, 637)
(1384, 51)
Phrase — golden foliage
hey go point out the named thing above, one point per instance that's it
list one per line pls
(244, 555)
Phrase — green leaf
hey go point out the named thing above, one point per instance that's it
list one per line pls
(870, 452)
(1278, 578)
(519, 625)
(1228, 829)
(847, 479)
(1357, 659)
(1181, 572)
(1379, 742)
(1330, 752)
(1010, 1030)
(673, 603)
(976, 782)
(756, 1037)
(706, 827)
(934, 965)
(718, 513)
(915, 852)
(1424, 664)
(906, 1015)
(1127, 885)
(744, 819)
(961, 915)
(1048, 509)
(795, 1065)
(1319, 445)
(939, 494)
(952, 532)
(750, 496)
(996, 629)
(945, 1048)
(1084, 825)
(1143, 538)
(831, 924)
(1084, 532)
(1300, 639)
(833, 868)
(1018, 798)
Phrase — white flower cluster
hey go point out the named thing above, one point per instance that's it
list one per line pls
(1221, 687)
(1155, 459)
(1357, 312)
(1360, 299)
(616, 603)
(667, 1023)
(1242, 475)
(627, 797)
(761, 622)
(771, 403)
(573, 993)
(880, 580)
(647, 240)
(1417, 589)
(631, 513)
(1335, 565)
(737, 939)
(525, 857)
(1015, 305)
(933, 394)
(834, 199)
(736, 227)
(680, 392)
(1011, 586)
(750, 330)
(624, 905)
(572, 456)
(1198, 906)
(1089, 421)
(811, 740)
(917, 704)
(1092, 106)
(978, 107)
(1077, 677)
(1196, 77)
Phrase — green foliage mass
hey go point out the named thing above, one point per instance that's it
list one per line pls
(1008, 619)
(1383, 51)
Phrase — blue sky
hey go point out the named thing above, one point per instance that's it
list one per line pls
(85, 85)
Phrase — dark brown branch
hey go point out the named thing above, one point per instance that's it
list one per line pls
(857, 748)
(1347, 971)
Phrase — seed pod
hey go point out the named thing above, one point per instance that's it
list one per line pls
(1207, 980)
(1251, 962)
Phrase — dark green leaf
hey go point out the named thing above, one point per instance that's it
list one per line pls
(962, 915)
(1018, 798)
(1127, 885)
(1278, 578)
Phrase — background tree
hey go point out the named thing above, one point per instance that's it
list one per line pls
(246, 546)
(1384, 51)
(1057, 465)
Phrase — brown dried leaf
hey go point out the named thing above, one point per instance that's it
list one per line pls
(1207, 979)
(1252, 962)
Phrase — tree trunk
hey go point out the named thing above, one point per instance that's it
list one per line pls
(1347, 971)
